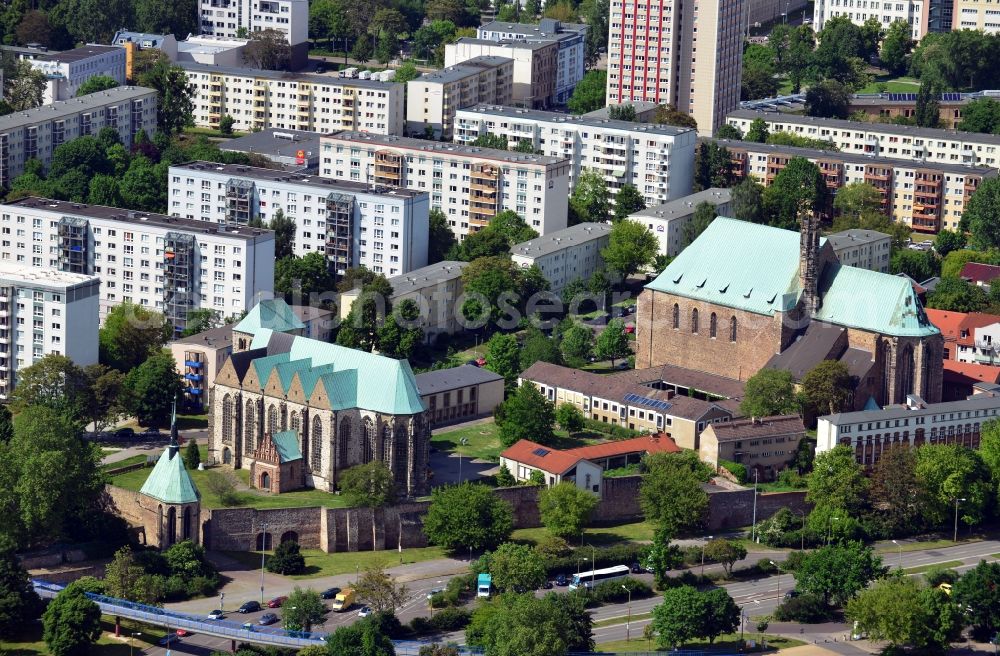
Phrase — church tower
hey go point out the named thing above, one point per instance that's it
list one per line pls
(170, 501)
(809, 260)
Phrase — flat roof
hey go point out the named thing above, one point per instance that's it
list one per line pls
(887, 128)
(423, 145)
(311, 78)
(856, 158)
(846, 238)
(275, 142)
(469, 67)
(78, 54)
(552, 242)
(975, 402)
(423, 277)
(220, 337)
(133, 217)
(63, 108)
(443, 380)
(546, 28)
(686, 205)
(25, 275)
(126, 36)
(640, 107)
(508, 43)
(572, 120)
(314, 181)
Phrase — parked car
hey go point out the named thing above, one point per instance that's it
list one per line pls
(434, 592)
(170, 638)
(183, 633)
(547, 585)
(249, 607)
(267, 619)
(791, 594)
(329, 593)
(247, 626)
(151, 434)
(277, 601)
(365, 611)
(561, 580)
(216, 615)
(125, 434)
(637, 568)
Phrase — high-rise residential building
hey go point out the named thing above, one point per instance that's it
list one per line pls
(352, 223)
(981, 15)
(259, 99)
(45, 311)
(432, 99)
(66, 71)
(913, 12)
(657, 159)
(535, 62)
(163, 263)
(35, 133)
(470, 185)
(688, 55)
(241, 18)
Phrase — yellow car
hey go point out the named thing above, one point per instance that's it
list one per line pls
(946, 588)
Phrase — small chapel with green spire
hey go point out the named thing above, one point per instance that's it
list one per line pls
(170, 501)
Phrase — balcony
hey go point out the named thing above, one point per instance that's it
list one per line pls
(194, 364)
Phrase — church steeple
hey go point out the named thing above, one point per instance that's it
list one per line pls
(174, 447)
(809, 257)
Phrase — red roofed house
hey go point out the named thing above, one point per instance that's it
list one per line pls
(968, 337)
(584, 465)
(979, 274)
(961, 377)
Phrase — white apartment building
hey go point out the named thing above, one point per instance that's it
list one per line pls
(865, 249)
(212, 50)
(981, 15)
(657, 159)
(66, 71)
(913, 12)
(240, 18)
(35, 133)
(163, 263)
(667, 221)
(570, 38)
(351, 223)
(258, 99)
(535, 63)
(432, 99)
(573, 253)
(685, 55)
(45, 311)
(469, 184)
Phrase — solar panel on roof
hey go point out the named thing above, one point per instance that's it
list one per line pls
(541, 452)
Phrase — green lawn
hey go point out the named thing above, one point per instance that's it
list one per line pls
(596, 535)
(889, 548)
(920, 569)
(132, 460)
(320, 563)
(728, 644)
(893, 85)
(483, 441)
(29, 641)
(777, 486)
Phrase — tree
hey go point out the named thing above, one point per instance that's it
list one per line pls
(516, 568)
(588, 95)
(53, 382)
(577, 344)
(671, 494)
(302, 610)
(490, 140)
(686, 613)
(758, 79)
(192, 455)
(526, 415)
(174, 95)
(980, 115)
(768, 393)
(303, 276)
(226, 125)
(950, 472)
(153, 387)
(371, 485)
(503, 356)
(267, 49)
(407, 71)
(379, 590)
(631, 247)
(490, 279)
(538, 347)
(399, 337)
(713, 166)
(19, 604)
(662, 557)
(758, 131)
(948, 241)
(799, 183)
(989, 448)
(628, 201)
(668, 115)
(440, 238)
(927, 110)
(856, 200)
(747, 201)
(362, 638)
(727, 131)
(362, 50)
(896, 47)
(838, 481)
(142, 188)
(978, 590)
(589, 200)
(827, 387)
(200, 320)
(726, 552)
(918, 265)
(828, 99)
(981, 217)
(565, 509)
(612, 343)
(287, 559)
(570, 418)
(468, 516)
(904, 612)
(95, 84)
(624, 112)
(524, 625)
(25, 89)
(284, 228)
(897, 494)
(956, 295)
(704, 214)
(71, 623)
(837, 572)
(35, 27)
(125, 578)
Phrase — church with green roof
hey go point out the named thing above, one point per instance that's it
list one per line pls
(745, 296)
(169, 500)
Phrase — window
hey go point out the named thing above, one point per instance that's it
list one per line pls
(732, 329)
(694, 321)
(677, 317)
(712, 326)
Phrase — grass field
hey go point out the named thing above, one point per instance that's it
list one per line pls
(893, 85)
(596, 535)
(923, 545)
(132, 460)
(923, 568)
(29, 641)
(320, 563)
(727, 644)
(483, 440)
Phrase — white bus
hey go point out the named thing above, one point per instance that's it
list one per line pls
(592, 578)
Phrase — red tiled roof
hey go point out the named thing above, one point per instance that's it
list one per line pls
(646, 444)
(953, 324)
(531, 454)
(971, 372)
(980, 273)
(947, 322)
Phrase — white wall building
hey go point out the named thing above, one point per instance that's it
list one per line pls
(469, 184)
(865, 249)
(432, 99)
(913, 12)
(667, 221)
(535, 66)
(45, 311)
(573, 253)
(66, 71)
(164, 263)
(37, 132)
(352, 223)
(657, 159)
(212, 50)
(240, 18)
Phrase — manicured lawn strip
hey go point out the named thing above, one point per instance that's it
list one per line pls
(920, 569)
(596, 535)
(320, 563)
(483, 440)
(132, 460)
(727, 644)
(889, 548)
(614, 621)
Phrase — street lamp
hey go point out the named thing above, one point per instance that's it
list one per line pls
(802, 535)
(593, 566)
(753, 525)
(900, 548)
(957, 501)
(131, 640)
(779, 578)
(578, 562)
(263, 549)
(628, 620)
(703, 545)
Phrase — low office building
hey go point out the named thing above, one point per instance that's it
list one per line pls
(212, 50)
(667, 221)
(927, 195)
(162, 263)
(534, 72)
(259, 99)
(35, 133)
(353, 224)
(915, 13)
(435, 289)
(432, 99)
(563, 256)
(291, 150)
(657, 159)
(45, 311)
(866, 249)
(764, 445)
(460, 393)
(915, 423)
(469, 184)
(66, 71)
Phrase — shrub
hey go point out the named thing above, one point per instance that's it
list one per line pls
(450, 619)
(616, 432)
(611, 592)
(793, 561)
(738, 470)
(421, 625)
(937, 575)
(287, 559)
(806, 608)
(553, 547)
(602, 557)
(765, 567)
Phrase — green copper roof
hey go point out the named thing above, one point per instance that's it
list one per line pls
(169, 482)
(878, 302)
(287, 444)
(273, 314)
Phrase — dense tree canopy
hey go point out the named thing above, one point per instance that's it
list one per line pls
(467, 516)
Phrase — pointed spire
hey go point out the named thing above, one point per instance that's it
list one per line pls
(174, 446)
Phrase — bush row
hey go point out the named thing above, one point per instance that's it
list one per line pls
(616, 432)
(624, 554)
(443, 621)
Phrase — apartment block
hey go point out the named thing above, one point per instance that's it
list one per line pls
(535, 66)
(45, 311)
(66, 71)
(163, 263)
(764, 445)
(353, 224)
(432, 99)
(925, 195)
(563, 256)
(657, 159)
(916, 13)
(570, 38)
(667, 221)
(980, 15)
(689, 56)
(233, 18)
(259, 99)
(35, 133)
(469, 184)
(865, 249)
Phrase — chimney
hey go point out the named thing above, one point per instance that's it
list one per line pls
(809, 258)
